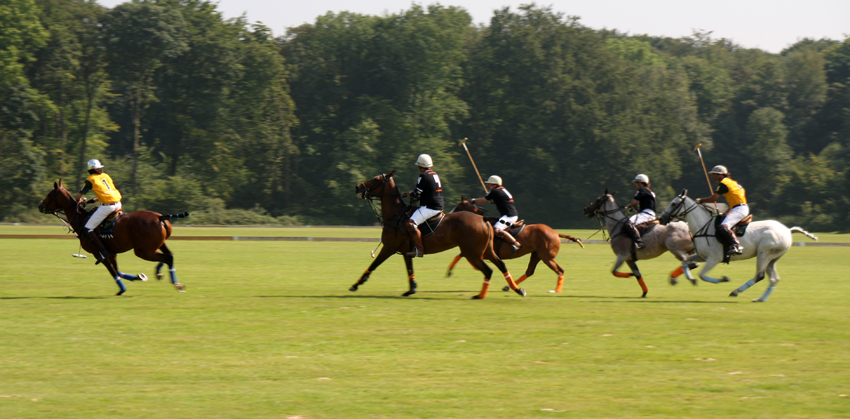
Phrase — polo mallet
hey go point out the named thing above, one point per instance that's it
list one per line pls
(463, 144)
(706, 173)
(79, 255)
(376, 249)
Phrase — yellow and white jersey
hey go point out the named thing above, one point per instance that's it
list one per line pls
(732, 191)
(103, 187)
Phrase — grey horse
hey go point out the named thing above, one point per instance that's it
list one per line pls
(674, 237)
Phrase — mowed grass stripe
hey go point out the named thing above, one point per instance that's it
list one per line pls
(264, 322)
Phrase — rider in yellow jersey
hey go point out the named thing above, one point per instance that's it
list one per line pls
(110, 201)
(737, 200)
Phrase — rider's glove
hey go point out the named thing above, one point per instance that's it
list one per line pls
(699, 200)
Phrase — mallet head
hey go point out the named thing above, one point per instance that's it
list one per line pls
(698, 146)
(462, 142)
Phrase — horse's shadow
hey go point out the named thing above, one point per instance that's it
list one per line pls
(67, 297)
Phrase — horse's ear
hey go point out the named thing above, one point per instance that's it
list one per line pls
(684, 193)
(61, 185)
(462, 198)
(390, 174)
(606, 192)
(55, 185)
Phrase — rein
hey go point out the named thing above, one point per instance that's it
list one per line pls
(603, 214)
(702, 232)
(371, 197)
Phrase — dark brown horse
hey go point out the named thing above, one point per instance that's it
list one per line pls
(540, 240)
(466, 230)
(143, 231)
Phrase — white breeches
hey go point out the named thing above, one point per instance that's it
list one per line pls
(101, 213)
(422, 214)
(642, 217)
(736, 214)
(505, 222)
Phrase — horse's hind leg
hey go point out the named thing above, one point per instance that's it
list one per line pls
(558, 270)
(774, 279)
(167, 258)
(636, 272)
(761, 267)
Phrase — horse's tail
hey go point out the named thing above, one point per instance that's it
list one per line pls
(800, 230)
(572, 239)
(173, 216)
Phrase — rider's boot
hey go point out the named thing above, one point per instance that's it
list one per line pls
(632, 232)
(735, 245)
(504, 235)
(102, 253)
(416, 238)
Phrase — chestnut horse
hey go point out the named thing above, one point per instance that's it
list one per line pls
(144, 231)
(540, 240)
(466, 230)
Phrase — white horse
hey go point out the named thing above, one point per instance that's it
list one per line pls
(768, 240)
(660, 239)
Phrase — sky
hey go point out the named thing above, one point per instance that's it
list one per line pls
(771, 25)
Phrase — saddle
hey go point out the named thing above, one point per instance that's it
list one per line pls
(646, 227)
(430, 225)
(104, 230)
(514, 230)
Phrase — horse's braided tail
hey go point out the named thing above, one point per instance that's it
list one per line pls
(173, 216)
(572, 239)
(796, 229)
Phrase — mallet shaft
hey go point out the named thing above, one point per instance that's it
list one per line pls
(473, 165)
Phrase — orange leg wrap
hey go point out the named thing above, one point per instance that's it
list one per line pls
(522, 278)
(622, 274)
(560, 285)
(454, 262)
(675, 274)
(510, 280)
(484, 288)
(642, 285)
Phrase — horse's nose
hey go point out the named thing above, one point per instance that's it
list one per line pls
(664, 219)
(41, 208)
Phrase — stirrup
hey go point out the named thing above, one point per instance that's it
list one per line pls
(414, 254)
(515, 248)
(735, 250)
(639, 244)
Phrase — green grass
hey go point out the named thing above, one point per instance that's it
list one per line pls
(264, 323)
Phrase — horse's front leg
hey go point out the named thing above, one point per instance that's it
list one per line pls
(710, 263)
(382, 256)
(685, 268)
(408, 262)
(113, 271)
(636, 272)
(141, 277)
(761, 268)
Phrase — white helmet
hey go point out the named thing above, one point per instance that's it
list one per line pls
(641, 178)
(495, 180)
(95, 164)
(720, 170)
(424, 160)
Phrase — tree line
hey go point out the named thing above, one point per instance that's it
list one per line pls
(192, 111)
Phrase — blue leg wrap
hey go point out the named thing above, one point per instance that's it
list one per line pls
(767, 293)
(127, 276)
(746, 285)
(120, 285)
(159, 267)
(707, 278)
(173, 272)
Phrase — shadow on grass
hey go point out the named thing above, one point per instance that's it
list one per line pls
(62, 298)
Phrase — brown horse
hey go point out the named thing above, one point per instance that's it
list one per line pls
(466, 230)
(143, 231)
(540, 240)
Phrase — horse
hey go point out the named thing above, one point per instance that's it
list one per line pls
(540, 240)
(142, 231)
(767, 240)
(465, 230)
(674, 238)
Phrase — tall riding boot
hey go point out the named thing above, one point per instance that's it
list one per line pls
(632, 232)
(504, 235)
(102, 253)
(416, 238)
(729, 235)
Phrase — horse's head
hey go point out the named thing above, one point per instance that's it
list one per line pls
(467, 205)
(56, 200)
(375, 186)
(598, 205)
(674, 210)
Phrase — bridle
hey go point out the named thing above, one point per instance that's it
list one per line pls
(53, 202)
(371, 197)
(677, 213)
(602, 215)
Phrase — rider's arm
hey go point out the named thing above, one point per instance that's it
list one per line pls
(478, 200)
(721, 189)
(86, 187)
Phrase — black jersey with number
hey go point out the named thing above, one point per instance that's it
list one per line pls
(429, 190)
(504, 201)
(645, 198)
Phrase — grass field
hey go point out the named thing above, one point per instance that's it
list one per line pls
(268, 329)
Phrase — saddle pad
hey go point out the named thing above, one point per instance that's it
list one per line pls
(739, 231)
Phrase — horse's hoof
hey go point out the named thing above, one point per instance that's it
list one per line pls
(758, 300)
(673, 281)
(733, 293)
(119, 293)
(477, 297)
(643, 296)
(408, 294)
(520, 291)
(506, 288)
(693, 281)
(180, 287)
(449, 274)
(159, 276)
(353, 288)
(724, 279)
(143, 277)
